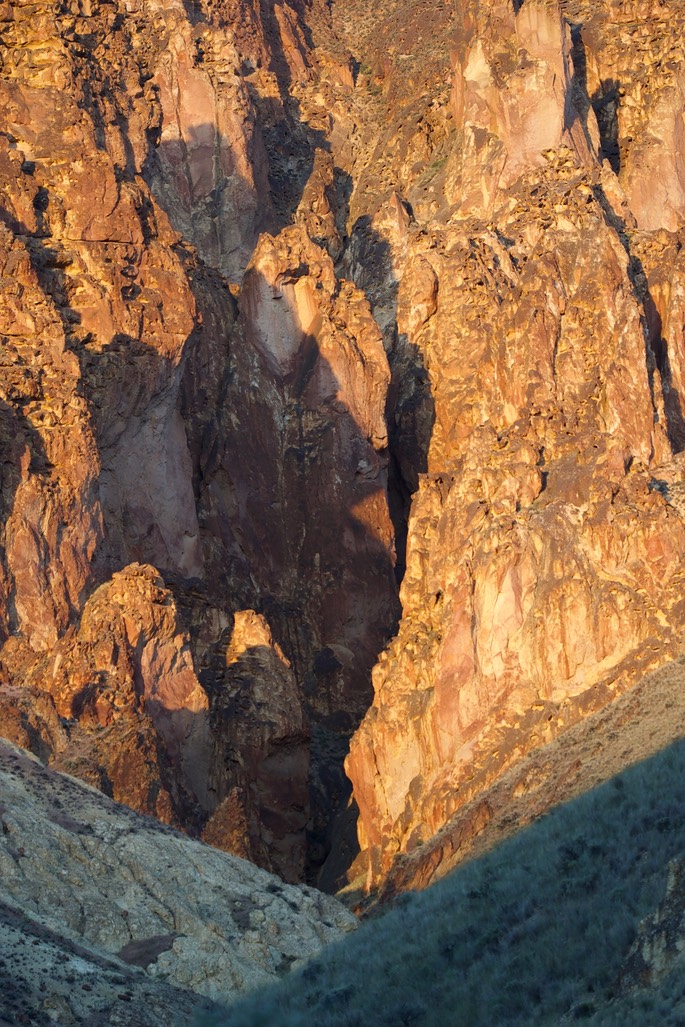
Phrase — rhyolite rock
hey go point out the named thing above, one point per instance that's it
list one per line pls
(533, 288)
(182, 453)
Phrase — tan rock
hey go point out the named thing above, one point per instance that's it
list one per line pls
(482, 180)
(539, 566)
(513, 97)
(81, 878)
(210, 172)
(641, 126)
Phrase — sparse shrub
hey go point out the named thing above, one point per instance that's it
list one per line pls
(534, 933)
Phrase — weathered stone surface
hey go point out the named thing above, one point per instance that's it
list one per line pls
(264, 789)
(513, 97)
(47, 978)
(317, 537)
(455, 356)
(626, 49)
(124, 685)
(210, 172)
(317, 206)
(659, 943)
(146, 423)
(103, 890)
(314, 344)
(507, 783)
(544, 540)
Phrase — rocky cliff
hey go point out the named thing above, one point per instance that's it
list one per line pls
(302, 302)
(539, 291)
(197, 561)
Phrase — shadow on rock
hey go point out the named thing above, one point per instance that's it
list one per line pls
(372, 263)
(291, 479)
(250, 466)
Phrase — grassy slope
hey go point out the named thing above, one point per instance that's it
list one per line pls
(533, 932)
(590, 748)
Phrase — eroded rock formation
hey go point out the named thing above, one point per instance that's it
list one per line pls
(303, 299)
(545, 538)
(197, 564)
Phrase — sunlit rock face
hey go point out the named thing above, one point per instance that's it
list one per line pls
(514, 97)
(301, 301)
(197, 566)
(209, 170)
(545, 534)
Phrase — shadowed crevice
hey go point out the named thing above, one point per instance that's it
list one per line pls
(410, 410)
(604, 102)
(656, 346)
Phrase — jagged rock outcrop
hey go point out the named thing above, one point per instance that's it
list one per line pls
(624, 50)
(657, 949)
(259, 726)
(118, 703)
(111, 917)
(133, 716)
(303, 299)
(300, 465)
(544, 540)
(210, 167)
(176, 459)
(513, 97)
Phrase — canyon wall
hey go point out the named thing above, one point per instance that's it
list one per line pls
(197, 556)
(299, 302)
(545, 535)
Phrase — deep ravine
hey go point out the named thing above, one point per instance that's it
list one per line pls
(305, 305)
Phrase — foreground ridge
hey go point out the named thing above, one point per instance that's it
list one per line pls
(111, 917)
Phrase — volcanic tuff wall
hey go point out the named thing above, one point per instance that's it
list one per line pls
(301, 299)
(543, 290)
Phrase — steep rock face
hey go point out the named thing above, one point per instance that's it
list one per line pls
(259, 725)
(120, 305)
(210, 167)
(234, 450)
(295, 496)
(545, 538)
(117, 702)
(99, 310)
(624, 50)
(454, 354)
(128, 920)
(40, 385)
(124, 685)
(513, 97)
(577, 746)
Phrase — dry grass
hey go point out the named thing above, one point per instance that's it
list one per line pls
(536, 930)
